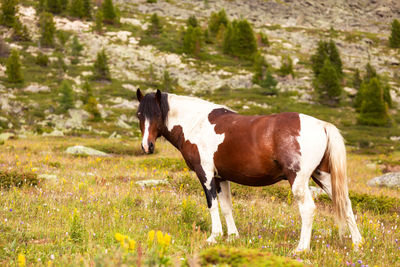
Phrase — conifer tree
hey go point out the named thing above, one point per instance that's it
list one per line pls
(155, 27)
(286, 66)
(47, 29)
(9, 10)
(109, 12)
(168, 82)
(216, 20)
(192, 40)
(101, 70)
(373, 110)
(240, 40)
(192, 21)
(327, 84)
(20, 31)
(91, 107)
(76, 47)
(357, 79)
(87, 9)
(76, 9)
(394, 39)
(53, 6)
(263, 76)
(87, 92)
(67, 97)
(326, 50)
(98, 24)
(13, 68)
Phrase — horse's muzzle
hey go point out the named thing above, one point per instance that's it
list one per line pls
(150, 149)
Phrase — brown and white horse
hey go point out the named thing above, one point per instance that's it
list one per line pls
(220, 145)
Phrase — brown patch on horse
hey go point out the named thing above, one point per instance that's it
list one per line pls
(265, 155)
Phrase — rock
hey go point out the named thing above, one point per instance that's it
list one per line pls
(125, 104)
(54, 133)
(82, 150)
(316, 191)
(152, 182)
(114, 135)
(122, 124)
(395, 138)
(36, 88)
(48, 177)
(6, 136)
(391, 179)
(78, 116)
(130, 87)
(3, 119)
(350, 91)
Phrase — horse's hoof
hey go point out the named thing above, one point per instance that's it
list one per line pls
(213, 238)
(300, 250)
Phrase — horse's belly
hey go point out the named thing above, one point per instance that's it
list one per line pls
(253, 180)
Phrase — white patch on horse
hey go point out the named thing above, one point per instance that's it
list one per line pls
(145, 142)
(192, 115)
(312, 141)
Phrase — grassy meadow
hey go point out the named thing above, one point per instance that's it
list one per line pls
(94, 213)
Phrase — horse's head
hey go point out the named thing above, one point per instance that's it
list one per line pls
(152, 113)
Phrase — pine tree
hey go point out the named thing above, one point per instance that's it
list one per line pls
(155, 27)
(326, 50)
(76, 47)
(9, 10)
(356, 81)
(192, 40)
(374, 110)
(76, 9)
(67, 97)
(98, 26)
(168, 82)
(192, 21)
(20, 31)
(240, 40)
(394, 39)
(87, 92)
(109, 13)
(53, 6)
(87, 9)
(101, 70)
(216, 20)
(327, 84)
(13, 68)
(42, 60)
(91, 107)
(370, 73)
(47, 29)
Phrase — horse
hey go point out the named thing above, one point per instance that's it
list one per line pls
(222, 146)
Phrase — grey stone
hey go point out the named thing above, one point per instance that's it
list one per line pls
(54, 133)
(49, 177)
(152, 182)
(37, 88)
(82, 150)
(6, 136)
(391, 179)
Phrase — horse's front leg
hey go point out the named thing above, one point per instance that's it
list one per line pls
(225, 201)
(211, 187)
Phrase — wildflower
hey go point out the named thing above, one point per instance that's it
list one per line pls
(21, 260)
(151, 236)
(167, 239)
(132, 244)
(119, 237)
(272, 198)
(160, 238)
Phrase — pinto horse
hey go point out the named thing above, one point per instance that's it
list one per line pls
(220, 146)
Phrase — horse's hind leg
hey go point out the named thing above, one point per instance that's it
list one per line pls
(302, 195)
(225, 201)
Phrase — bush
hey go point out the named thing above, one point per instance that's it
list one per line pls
(151, 1)
(262, 39)
(14, 178)
(91, 107)
(356, 81)
(373, 110)
(263, 76)
(98, 25)
(13, 68)
(9, 9)
(168, 82)
(87, 9)
(76, 47)
(155, 27)
(76, 9)
(67, 97)
(192, 41)
(216, 20)
(109, 12)
(101, 70)
(286, 66)
(241, 257)
(394, 39)
(327, 84)
(239, 40)
(192, 21)
(47, 29)
(42, 59)
(20, 31)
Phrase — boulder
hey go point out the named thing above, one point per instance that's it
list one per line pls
(6, 136)
(36, 88)
(87, 151)
(391, 179)
(152, 182)
(122, 124)
(54, 133)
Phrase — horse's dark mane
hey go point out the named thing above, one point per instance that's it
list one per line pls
(148, 106)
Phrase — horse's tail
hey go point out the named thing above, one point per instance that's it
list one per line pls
(336, 152)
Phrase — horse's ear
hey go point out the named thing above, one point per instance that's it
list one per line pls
(158, 97)
(139, 95)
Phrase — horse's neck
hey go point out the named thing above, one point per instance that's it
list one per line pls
(188, 113)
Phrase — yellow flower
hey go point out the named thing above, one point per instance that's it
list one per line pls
(151, 236)
(21, 260)
(119, 237)
(160, 238)
(132, 244)
(167, 239)
(272, 198)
